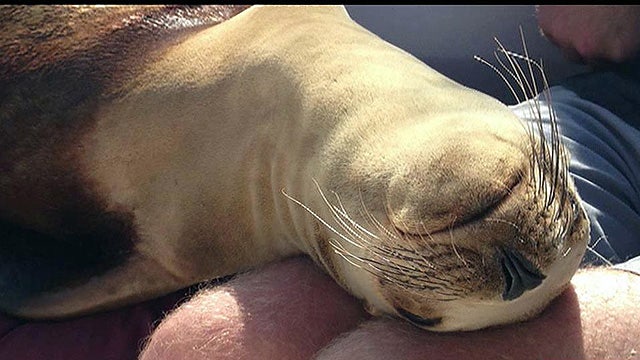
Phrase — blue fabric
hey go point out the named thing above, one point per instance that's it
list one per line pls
(605, 165)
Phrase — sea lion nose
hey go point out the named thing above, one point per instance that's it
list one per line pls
(519, 273)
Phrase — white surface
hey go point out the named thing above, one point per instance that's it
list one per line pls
(446, 37)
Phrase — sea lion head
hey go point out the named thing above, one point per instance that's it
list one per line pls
(460, 221)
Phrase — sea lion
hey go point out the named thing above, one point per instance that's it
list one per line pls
(145, 149)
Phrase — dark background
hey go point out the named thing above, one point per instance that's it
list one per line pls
(446, 37)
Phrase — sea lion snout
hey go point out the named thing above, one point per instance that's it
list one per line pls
(486, 222)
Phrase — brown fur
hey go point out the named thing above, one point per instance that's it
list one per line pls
(58, 63)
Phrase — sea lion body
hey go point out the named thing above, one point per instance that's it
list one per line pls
(214, 155)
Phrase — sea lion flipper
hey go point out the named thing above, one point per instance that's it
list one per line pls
(39, 278)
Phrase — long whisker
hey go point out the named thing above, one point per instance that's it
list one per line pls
(525, 78)
(321, 220)
(592, 249)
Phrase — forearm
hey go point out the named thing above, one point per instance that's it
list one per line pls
(593, 34)
(610, 313)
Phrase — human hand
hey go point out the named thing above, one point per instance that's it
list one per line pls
(593, 34)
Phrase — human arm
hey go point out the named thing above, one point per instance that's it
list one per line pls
(593, 34)
(596, 319)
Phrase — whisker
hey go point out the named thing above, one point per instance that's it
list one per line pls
(373, 221)
(525, 78)
(599, 256)
(320, 219)
(504, 79)
(353, 223)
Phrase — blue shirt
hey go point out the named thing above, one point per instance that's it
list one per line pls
(605, 165)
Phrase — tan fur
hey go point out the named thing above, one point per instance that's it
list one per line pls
(198, 144)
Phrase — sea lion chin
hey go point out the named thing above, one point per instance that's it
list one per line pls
(188, 153)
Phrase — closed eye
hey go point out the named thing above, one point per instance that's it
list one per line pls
(418, 320)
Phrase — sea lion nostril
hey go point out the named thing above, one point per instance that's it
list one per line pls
(519, 273)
